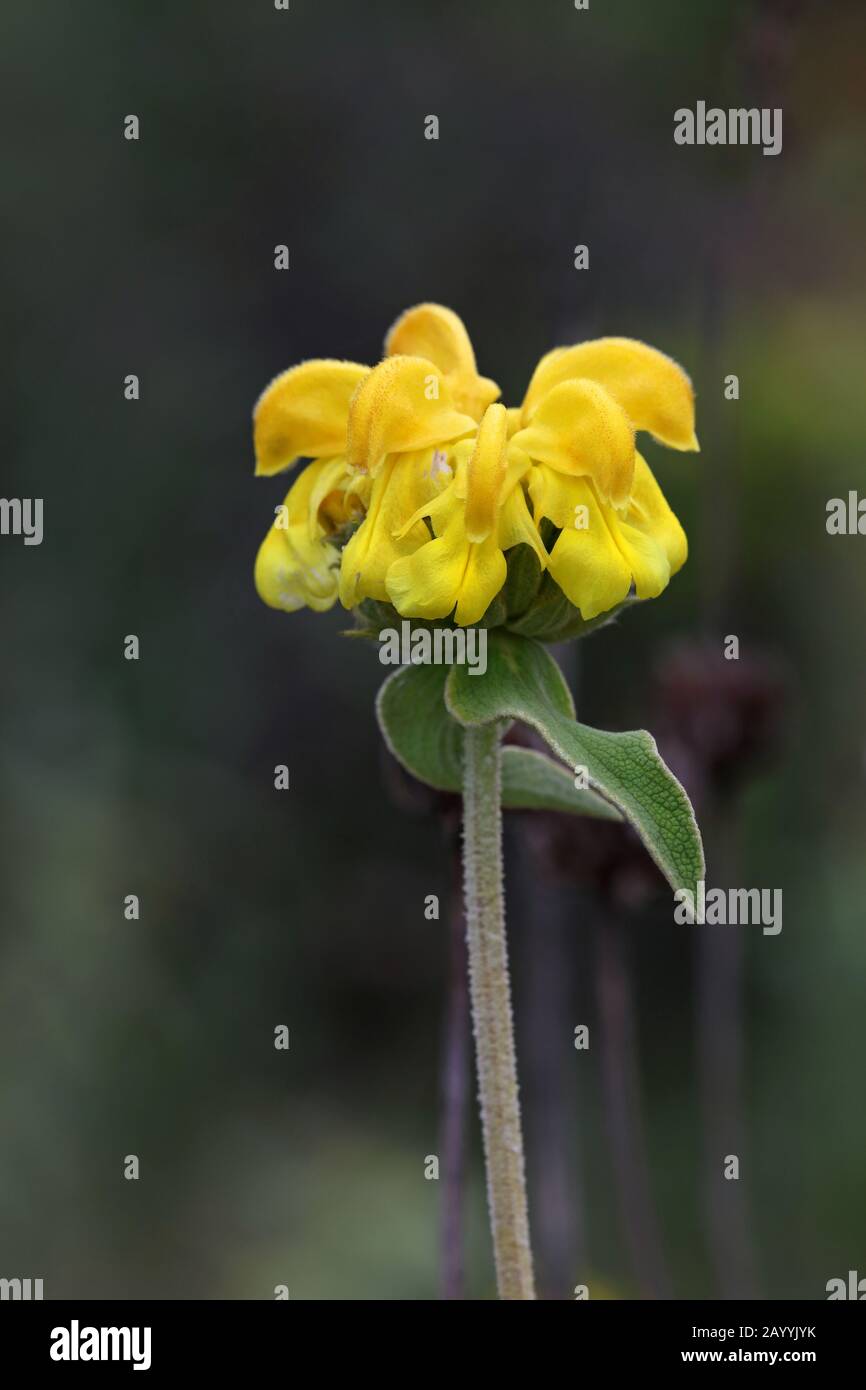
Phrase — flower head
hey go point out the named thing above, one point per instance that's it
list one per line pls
(421, 482)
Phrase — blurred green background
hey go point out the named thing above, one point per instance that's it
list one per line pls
(156, 778)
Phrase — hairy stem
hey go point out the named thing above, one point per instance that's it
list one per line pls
(491, 1012)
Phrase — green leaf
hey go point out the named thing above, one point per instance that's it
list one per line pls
(523, 682)
(533, 782)
(417, 728)
(422, 736)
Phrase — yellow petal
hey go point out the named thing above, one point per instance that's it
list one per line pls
(399, 490)
(578, 428)
(557, 496)
(516, 526)
(438, 510)
(358, 488)
(649, 536)
(434, 332)
(294, 572)
(515, 420)
(404, 404)
(486, 474)
(307, 495)
(327, 477)
(486, 572)
(652, 389)
(585, 561)
(447, 572)
(439, 335)
(649, 510)
(461, 453)
(304, 414)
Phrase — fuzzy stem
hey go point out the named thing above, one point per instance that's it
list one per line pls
(491, 1011)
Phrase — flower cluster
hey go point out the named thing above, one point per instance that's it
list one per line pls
(421, 481)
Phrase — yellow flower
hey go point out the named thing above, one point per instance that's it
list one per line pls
(421, 482)
(297, 565)
(304, 413)
(577, 424)
(479, 515)
(402, 426)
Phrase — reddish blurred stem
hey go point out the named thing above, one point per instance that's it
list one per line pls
(621, 1087)
(720, 1043)
(455, 1089)
(548, 963)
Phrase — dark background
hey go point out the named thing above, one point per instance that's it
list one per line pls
(306, 908)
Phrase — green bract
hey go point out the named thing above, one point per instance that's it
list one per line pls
(529, 604)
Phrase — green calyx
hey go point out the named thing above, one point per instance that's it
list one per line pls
(530, 604)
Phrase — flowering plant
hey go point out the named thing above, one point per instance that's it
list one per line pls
(427, 499)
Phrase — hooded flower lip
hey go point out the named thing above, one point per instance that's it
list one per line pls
(439, 335)
(303, 413)
(652, 389)
(421, 482)
(403, 405)
(577, 428)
